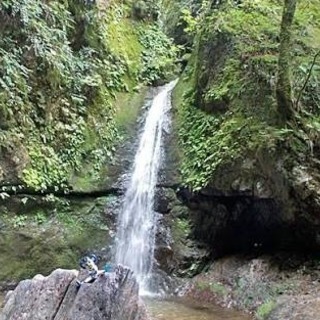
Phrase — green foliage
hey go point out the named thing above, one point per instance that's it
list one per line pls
(49, 89)
(44, 159)
(189, 21)
(19, 221)
(180, 19)
(61, 67)
(226, 102)
(265, 309)
(40, 217)
(159, 55)
(210, 141)
(227, 85)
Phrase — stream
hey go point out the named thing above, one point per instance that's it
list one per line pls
(186, 310)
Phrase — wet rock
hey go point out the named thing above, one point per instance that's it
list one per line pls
(112, 296)
(235, 221)
(161, 205)
(164, 284)
(164, 257)
(162, 202)
(177, 252)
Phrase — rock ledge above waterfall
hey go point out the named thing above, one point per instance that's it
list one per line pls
(56, 297)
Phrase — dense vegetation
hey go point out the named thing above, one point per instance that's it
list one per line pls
(230, 117)
(246, 113)
(72, 77)
(62, 64)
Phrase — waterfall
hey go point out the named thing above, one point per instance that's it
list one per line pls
(137, 221)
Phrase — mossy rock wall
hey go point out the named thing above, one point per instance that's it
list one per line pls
(41, 236)
(231, 140)
(66, 70)
(225, 102)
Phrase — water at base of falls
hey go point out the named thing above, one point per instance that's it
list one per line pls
(137, 222)
(189, 310)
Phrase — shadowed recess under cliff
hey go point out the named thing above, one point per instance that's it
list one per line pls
(233, 223)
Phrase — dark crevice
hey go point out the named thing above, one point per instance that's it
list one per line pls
(21, 190)
(18, 189)
(61, 301)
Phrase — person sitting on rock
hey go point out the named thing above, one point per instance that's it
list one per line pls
(89, 263)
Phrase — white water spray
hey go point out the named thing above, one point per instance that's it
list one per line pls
(137, 221)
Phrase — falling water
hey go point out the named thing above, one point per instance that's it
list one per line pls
(137, 221)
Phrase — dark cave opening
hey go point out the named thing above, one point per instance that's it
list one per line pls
(242, 223)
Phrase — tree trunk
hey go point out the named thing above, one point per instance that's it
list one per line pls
(284, 90)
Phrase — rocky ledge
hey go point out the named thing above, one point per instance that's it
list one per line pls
(56, 297)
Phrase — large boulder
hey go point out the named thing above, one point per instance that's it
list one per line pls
(56, 297)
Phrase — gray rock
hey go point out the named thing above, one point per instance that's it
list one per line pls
(113, 296)
(301, 307)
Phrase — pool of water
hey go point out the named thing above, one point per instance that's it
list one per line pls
(184, 310)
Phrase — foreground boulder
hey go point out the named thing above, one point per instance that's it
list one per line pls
(56, 297)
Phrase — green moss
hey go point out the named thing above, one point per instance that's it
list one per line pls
(23, 256)
(213, 287)
(123, 40)
(265, 309)
(159, 56)
(181, 229)
(67, 231)
(218, 288)
(185, 85)
(127, 107)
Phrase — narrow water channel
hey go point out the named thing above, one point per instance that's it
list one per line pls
(186, 310)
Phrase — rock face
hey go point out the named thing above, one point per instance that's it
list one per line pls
(113, 296)
(177, 251)
(274, 288)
